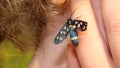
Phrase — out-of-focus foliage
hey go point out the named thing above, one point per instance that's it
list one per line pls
(11, 57)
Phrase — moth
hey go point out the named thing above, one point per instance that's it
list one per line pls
(70, 27)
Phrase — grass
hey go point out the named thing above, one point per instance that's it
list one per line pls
(11, 57)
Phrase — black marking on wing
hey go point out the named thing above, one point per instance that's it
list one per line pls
(63, 33)
(81, 25)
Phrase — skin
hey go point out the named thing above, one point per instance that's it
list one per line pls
(99, 46)
(93, 51)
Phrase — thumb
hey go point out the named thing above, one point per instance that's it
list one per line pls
(72, 59)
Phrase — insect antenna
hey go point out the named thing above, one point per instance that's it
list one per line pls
(77, 17)
(72, 13)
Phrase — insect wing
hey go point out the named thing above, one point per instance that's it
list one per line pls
(62, 34)
(81, 25)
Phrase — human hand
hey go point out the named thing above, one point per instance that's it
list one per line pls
(94, 51)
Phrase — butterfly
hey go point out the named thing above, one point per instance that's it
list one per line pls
(70, 27)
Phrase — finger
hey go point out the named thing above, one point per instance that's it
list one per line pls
(72, 60)
(111, 16)
(92, 52)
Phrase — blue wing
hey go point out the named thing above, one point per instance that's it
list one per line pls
(81, 25)
(63, 33)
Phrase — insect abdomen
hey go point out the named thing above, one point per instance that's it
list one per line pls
(74, 37)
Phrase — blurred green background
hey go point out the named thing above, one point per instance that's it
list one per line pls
(11, 57)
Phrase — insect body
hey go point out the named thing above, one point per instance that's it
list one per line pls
(74, 36)
(70, 27)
